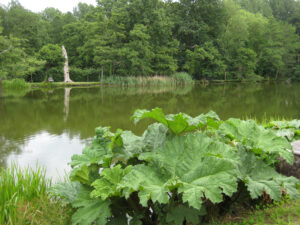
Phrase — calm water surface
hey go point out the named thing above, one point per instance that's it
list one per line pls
(49, 126)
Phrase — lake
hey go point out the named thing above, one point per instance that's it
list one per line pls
(49, 126)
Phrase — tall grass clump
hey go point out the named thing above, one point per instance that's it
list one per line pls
(138, 81)
(182, 78)
(157, 81)
(18, 186)
(15, 84)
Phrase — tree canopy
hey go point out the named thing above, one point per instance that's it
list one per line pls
(210, 39)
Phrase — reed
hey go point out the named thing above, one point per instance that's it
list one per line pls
(18, 186)
(182, 78)
(157, 81)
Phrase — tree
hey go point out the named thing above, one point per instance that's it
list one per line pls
(205, 62)
(14, 62)
(53, 57)
(27, 26)
(138, 51)
(81, 10)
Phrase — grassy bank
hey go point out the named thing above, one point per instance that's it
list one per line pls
(180, 78)
(24, 198)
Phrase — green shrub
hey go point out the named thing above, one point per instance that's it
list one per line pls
(255, 78)
(15, 84)
(182, 78)
(180, 171)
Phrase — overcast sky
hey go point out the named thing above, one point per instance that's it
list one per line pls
(39, 5)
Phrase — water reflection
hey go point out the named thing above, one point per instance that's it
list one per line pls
(50, 125)
(50, 151)
(67, 102)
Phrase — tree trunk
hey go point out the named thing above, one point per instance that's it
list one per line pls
(225, 75)
(66, 66)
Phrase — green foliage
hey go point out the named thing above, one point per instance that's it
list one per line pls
(14, 62)
(18, 185)
(176, 171)
(288, 129)
(87, 74)
(210, 39)
(205, 62)
(257, 139)
(179, 123)
(15, 84)
(182, 78)
(89, 208)
(52, 54)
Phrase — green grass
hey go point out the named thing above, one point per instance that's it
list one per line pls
(15, 84)
(279, 213)
(24, 198)
(43, 211)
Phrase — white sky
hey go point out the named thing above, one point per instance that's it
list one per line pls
(40, 5)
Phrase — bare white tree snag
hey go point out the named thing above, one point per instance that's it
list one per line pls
(66, 66)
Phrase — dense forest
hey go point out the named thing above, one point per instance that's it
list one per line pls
(209, 39)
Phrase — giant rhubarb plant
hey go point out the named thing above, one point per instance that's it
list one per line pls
(180, 166)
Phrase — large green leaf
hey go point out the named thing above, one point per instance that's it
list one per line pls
(90, 155)
(85, 174)
(86, 166)
(260, 177)
(90, 210)
(295, 124)
(180, 213)
(66, 190)
(257, 138)
(154, 136)
(179, 123)
(106, 186)
(149, 181)
(129, 146)
(287, 133)
(288, 129)
(199, 166)
(285, 124)
(156, 114)
(289, 184)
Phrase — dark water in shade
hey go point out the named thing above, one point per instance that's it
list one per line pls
(49, 126)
